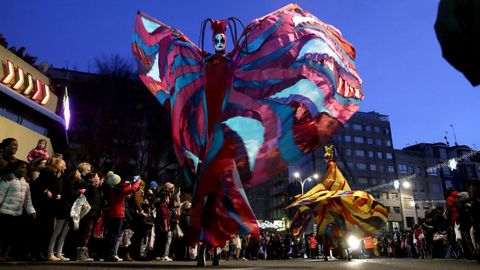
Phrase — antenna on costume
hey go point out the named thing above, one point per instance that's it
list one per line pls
(202, 35)
(232, 21)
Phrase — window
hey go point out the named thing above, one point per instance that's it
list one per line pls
(348, 138)
(402, 168)
(381, 168)
(370, 155)
(362, 180)
(420, 187)
(394, 195)
(383, 181)
(361, 166)
(350, 164)
(379, 155)
(442, 153)
(376, 129)
(418, 170)
(378, 142)
(390, 169)
(388, 209)
(470, 171)
(386, 131)
(446, 171)
(388, 143)
(359, 153)
(347, 125)
(385, 195)
(410, 221)
(436, 188)
(369, 140)
(368, 128)
(357, 127)
(396, 210)
(358, 139)
(348, 152)
(373, 167)
(373, 181)
(432, 171)
(448, 184)
(388, 155)
(410, 169)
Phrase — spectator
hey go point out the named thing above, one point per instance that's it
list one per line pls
(162, 227)
(115, 194)
(35, 167)
(8, 149)
(14, 197)
(61, 212)
(39, 151)
(45, 192)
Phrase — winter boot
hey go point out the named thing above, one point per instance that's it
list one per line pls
(82, 255)
(201, 256)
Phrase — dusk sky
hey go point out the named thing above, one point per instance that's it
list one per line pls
(398, 55)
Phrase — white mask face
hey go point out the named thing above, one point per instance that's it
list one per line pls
(220, 42)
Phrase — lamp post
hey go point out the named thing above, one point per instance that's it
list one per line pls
(299, 179)
(413, 204)
(397, 185)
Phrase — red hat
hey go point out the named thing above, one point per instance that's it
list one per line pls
(219, 27)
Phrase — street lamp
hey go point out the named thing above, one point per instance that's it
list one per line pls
(302, 181)
(405, 184)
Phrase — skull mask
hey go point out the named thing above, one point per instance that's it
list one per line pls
(220, 42)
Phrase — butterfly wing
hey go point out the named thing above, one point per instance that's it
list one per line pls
(169, 64)
(294, 83)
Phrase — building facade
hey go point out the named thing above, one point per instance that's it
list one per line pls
(30, 108)
(432, 168)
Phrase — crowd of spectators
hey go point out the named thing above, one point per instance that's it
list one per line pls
(51, 212)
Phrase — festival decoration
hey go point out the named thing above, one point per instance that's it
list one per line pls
(239, 118)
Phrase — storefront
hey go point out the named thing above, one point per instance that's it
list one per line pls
(29, 106)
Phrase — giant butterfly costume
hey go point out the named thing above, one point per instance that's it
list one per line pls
(240, 118)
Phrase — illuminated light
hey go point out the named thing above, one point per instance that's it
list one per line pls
(406, 184)
(29, 88)
(38, 91)
(11, 73)
(396, 184)
(412, 203)
(353, 242)
(296, 174)
(315, 176)
(66, 109)
(452, 163)
(46, 96)
(20, 81)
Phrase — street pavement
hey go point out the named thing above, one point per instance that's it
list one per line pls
(357, 264)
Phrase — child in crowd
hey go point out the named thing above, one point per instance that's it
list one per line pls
(39, 151)
(115, 214)
(14, 198)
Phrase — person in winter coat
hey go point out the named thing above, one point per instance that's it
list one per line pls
(61, 209)
(45, 195)
(115, 193)
(94, 197)
(14, 198)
